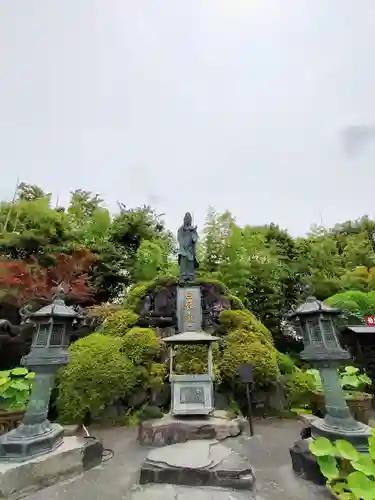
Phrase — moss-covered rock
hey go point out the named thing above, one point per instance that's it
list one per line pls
(98, 374)
(156, 301)
(136, 294)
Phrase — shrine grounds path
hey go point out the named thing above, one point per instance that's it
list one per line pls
(116, 479)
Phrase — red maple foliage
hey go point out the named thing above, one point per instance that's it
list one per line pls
(22, 282)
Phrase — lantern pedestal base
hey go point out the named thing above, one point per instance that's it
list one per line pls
(73, 457)
(357, 436)
(24, 443)
(304, 462)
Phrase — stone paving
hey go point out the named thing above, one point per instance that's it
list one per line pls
(268, 452)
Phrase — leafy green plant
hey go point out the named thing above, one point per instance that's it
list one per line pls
(141, 345)
(247, 340)
(119, 323)
(15, 388)
(350, 474)
(351, 379)
(298, 387)
(98, 374)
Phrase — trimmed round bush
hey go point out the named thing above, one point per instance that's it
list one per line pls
(118, 323)
(245, 320)
(247, 341)
(239, 348)
(141, 345)
(98, 374)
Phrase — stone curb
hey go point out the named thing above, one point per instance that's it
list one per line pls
(168, 430)
(238, 480)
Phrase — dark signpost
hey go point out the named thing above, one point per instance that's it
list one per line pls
(247, 378)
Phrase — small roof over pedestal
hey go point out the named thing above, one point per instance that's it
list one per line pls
(191, 338)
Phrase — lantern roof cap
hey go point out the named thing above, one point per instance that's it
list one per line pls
(312, 306)
(191, 338)
(57, 308)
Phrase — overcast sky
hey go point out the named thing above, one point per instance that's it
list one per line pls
(237, 104)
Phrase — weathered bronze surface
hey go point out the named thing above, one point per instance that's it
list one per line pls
(187, 237)
(9, 420)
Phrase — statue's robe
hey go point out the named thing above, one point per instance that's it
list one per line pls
(187, 261)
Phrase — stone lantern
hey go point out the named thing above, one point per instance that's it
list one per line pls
(322, 350)
(192, 394)
(49, 352)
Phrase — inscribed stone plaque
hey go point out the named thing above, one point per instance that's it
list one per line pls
(189, 309)
(192, 395)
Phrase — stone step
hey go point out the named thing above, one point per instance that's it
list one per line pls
(198, 463)
(170, 430)
(172, 492)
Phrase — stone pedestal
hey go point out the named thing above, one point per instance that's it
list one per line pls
(304, 463)
(198, 463)
(171, 430)
(72, 457)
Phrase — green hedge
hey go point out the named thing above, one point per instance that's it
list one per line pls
(118, 323)
(247, 341)
(98, 373)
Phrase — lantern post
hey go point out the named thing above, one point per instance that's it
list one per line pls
(322, 350)
(49, 351)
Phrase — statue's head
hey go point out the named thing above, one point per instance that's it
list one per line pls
(188, 219)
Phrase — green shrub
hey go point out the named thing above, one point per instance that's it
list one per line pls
(141, 345)
(298, 387)
(236, 303)
(353, 303)
(136, 294)
(285, 362)
(149, 412)
(193, 359)
(245, 320)
(247, 341)
(98, 374)
(118, 323)
(102, 310)
(241, 347)
(156, 376)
